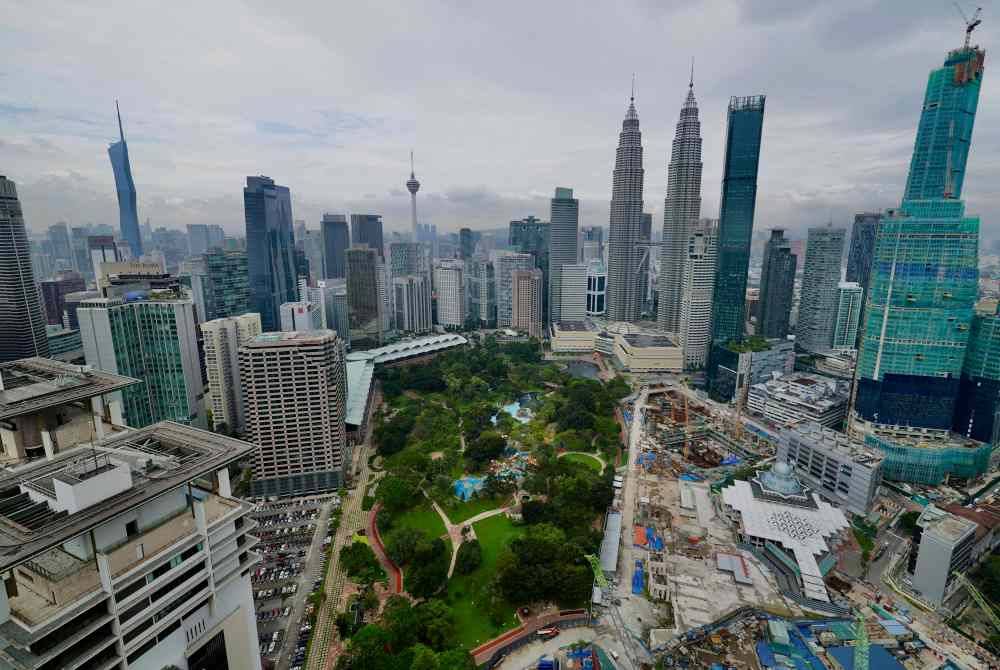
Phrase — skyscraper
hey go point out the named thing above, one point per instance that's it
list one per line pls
(979, 393)
(818, 298)
(777, 283)
(848, 317)
(466, 243)
(366, 305)
(61, 249)
(202, 237)
(55, 290)
(153, 339)
(223, 339)
(681, 209)
(219, 284)
(411, 299)
(336, 242)
(744, 126)
(646, 252)
(366, 230)
(449, 284)
(563, 232)
(505, 264)
(625, 222)
(526, 302)
(532, 236)
(591, 244)
(412, 185)
(22, 322)
(597, 287)
(924, 276)
(270, 248)
(128, 214)
(301, 317)
(295, 402)
(481, 286)
(330, 297)
(859, 258)
(698, 275)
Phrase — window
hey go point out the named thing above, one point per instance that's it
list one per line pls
(131, 528)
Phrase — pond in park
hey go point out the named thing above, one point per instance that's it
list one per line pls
(582, 369)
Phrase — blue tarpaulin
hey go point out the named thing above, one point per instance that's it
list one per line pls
(689, 477)
(638, 578)
(731, 459)
(766, 656)
(653, 541)
(466, 486)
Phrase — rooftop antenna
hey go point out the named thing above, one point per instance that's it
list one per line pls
(411, 162)
(632, 98)
(970, 24)
(691, 82)
(121, 132)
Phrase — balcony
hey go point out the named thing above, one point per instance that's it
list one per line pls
(151, 542)
(50, 584)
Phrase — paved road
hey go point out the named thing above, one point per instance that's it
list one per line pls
(313, 560)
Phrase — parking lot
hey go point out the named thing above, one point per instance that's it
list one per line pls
(293, 534)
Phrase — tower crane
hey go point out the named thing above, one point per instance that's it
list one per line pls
(970, 24)
(862, 647)
(989, 611)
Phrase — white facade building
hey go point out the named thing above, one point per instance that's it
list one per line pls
(850, 302)
(943, 545)
(222, 340)
(505, 263)
(300, 316)
(697, 281)
(801, 396)
(449, 284)
(412, 303)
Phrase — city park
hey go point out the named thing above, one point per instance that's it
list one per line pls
(492, 481)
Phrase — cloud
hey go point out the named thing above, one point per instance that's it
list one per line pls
(329, 99)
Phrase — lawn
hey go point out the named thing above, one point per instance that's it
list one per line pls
(467, 593)
(590, 461)
(459, 511)
(422, 517)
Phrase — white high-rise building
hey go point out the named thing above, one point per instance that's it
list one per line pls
(295, 402)
(526, 302)
(410, 259)
(300, 316)
(449, 283)
(330, 297)
(505, 263)
(222, 340)
(697, 282)
(411, 299)
(818, 298)
(569, 283)
(850, 299)
(129, 552)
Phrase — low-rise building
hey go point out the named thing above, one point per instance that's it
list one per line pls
(741, 365)
(843, 471)
(800, 396)
(572, 337)
(640, 352)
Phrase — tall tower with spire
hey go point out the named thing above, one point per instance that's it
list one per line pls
(128, 214)
(681, 209)
(412, 185)
(624, 254)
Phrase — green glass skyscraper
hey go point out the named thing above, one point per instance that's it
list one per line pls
(924, 276)
(736, 210)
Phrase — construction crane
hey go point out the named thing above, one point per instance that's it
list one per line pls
(990, 613)
(595, 565)
(861, 645)
(970, 24)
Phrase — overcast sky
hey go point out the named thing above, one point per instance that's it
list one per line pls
(501, 104)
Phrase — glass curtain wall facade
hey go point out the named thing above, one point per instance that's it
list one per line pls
(271, 262)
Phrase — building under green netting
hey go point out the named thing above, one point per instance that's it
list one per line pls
(931, 462)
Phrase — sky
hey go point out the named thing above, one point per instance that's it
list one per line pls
(501, 103)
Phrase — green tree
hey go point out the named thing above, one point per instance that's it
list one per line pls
(402, 544)
(455, 659)
(908, 522)
(470, 557)
(396, 494)
(437, 624)
(486, 447)
(424, 658)
(402, 622)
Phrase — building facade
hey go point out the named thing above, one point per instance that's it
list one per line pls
(365, 300)
(301, 316)
(481, 287)
(449, 285)
(336, 242)
(777, 284)
(505, 264)
(862, 251)
(222, 341)
(526, 302)
(220, 284)
(942, 547)
(624, 254)
(820, 278)
(564, 230)
(22, 321)
(411, 300)
(466, 243)
(128, 213)
(850, 301)
(698, 277)
(271, 265)
(979, 392)
(800, 396)
(366, 231)
(744, 127)
(597, 287)
(54, 293)
(681, 210)
(302, 444)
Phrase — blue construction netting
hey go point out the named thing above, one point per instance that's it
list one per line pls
(653, 541)
(638, 579)
(689, 477)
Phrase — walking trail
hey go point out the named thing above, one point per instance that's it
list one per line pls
(455, 529)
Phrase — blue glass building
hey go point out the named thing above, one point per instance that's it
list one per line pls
(128, 214)
(736, 211)
(270, 248)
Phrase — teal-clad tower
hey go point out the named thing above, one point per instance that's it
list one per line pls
(924, 276)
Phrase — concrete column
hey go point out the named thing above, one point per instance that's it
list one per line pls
(97, 404)
(48, 444)
(224, 489)
(117, 418)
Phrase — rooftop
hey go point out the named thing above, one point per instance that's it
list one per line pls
(160, 458)
(945, 525)
(409, 348)
(359, 385)
(572, 326)
(645, 340)
(289, 339)
(817, 435)
(30, 385)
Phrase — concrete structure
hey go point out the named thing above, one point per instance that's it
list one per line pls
(842, 471)
(301, 316)
(130, 552)
(818, 299)
(449, 286)
(697, 277)
(128, 214)
(412, 185)
(800, 396)
(411, 300)
(597, 287)
(942, 546)
(753, 362)
(531, 236)
(681, 209)
(222, 340)
(481, 287)
(505, 264)
(564, 227)
(640, 353)
(295, 401)
(365, 297)
(407, 352)
(271, 263)
(54, 292)
(152, 337)
(777, 283)
(366, 231)
(103, 249)
(624, 254)
(572, 337)
(923, 456)
(526, 302)
(48, 406)
(787, 523)
(220, 284)
(850, 301)
(22, 321)
(330, 297)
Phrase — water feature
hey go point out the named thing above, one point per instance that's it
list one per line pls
(582, 369)
(521, 409)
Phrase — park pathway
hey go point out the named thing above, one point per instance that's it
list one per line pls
(584, 453)
(455, 529)
(393, 571)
